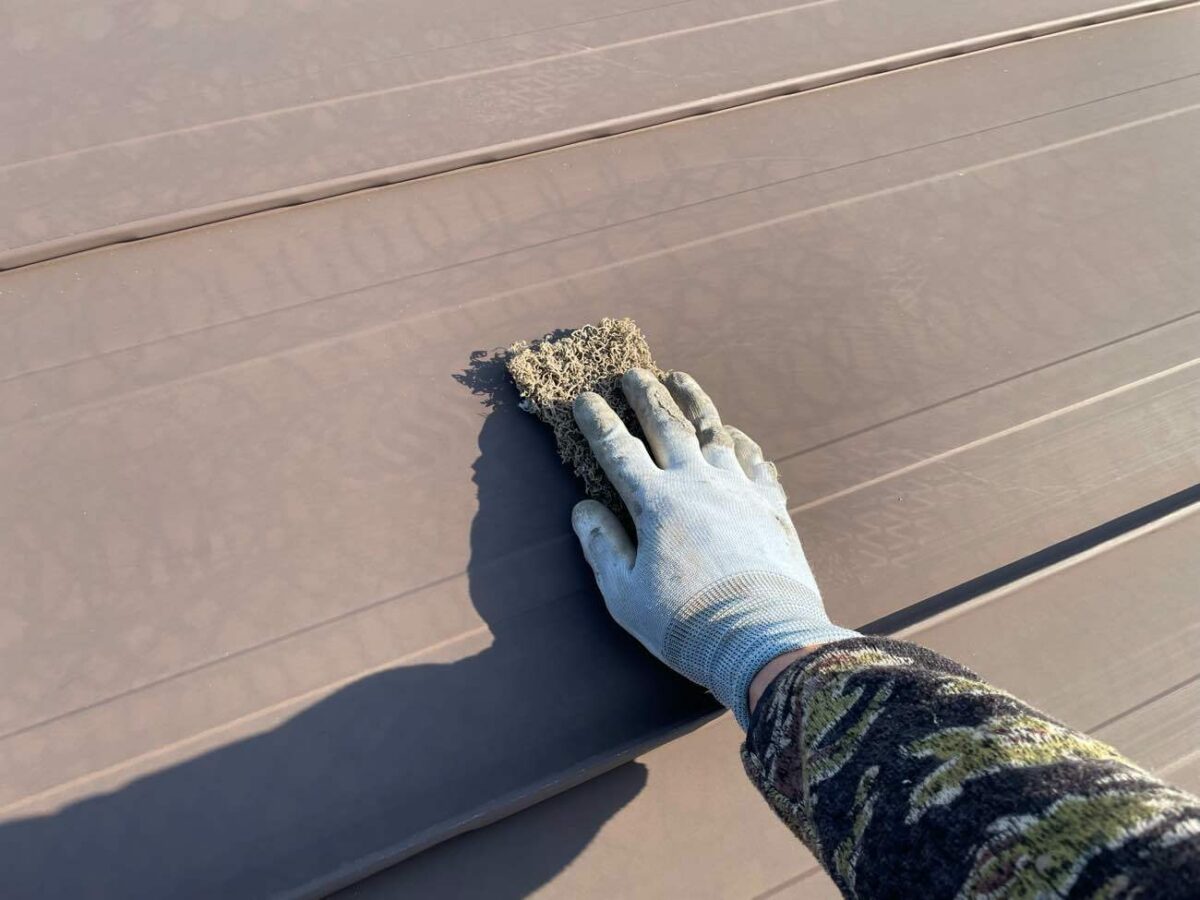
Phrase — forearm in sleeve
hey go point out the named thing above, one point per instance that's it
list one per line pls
(909, 776)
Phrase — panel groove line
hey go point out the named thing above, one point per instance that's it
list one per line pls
(17, 252)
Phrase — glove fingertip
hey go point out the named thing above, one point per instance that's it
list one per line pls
(602, 536)
(766, 473)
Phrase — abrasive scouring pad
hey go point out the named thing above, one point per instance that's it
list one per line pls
(552, 372)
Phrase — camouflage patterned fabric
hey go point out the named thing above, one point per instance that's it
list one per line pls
(908, 776)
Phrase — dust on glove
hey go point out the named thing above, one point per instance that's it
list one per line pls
(717, 585)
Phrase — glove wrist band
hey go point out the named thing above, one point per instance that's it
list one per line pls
(724, 635)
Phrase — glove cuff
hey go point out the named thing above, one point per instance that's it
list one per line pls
(723, 636)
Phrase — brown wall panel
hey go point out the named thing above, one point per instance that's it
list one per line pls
(120, 120)
(1108, 642)
(272, 575)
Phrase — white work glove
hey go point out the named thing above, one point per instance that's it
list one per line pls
(717, 585)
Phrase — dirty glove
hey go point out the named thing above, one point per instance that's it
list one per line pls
(717, 585)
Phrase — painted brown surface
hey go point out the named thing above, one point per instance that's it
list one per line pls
(124, 119)
(284, 602)
(1109, 642)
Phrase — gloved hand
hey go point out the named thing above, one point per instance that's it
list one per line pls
(717, 585)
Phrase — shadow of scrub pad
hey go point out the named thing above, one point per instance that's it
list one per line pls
(550, 373)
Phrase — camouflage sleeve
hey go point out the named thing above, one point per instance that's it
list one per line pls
(908, 776)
